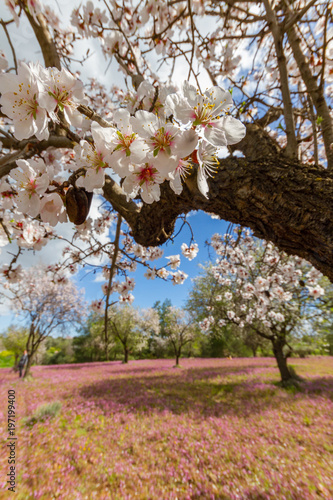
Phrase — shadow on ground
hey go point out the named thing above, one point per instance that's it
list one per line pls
(202, 392)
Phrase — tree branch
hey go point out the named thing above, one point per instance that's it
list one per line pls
(316, 93)
(292, 146)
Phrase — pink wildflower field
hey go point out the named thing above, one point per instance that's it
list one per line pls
(212, 429)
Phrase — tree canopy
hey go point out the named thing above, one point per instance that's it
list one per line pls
(269, 68)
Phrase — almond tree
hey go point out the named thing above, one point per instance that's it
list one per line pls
(132, 327)
(46, 301)
(163, 140)
(178, 331)
(261, 289)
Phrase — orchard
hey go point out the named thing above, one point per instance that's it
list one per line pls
(253, 147)
(123, 122)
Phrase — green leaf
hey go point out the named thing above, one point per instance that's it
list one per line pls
(319, 120)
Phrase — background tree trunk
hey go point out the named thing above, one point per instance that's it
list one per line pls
(28, 365)
(281, 361)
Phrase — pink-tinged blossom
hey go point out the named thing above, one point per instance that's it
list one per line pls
(12, 274)
(166, 142)
(126, 299)
(145, 179)
(6, 194)
(97, 306)
(190, 252)
(204, 111)
(20, 102)
(179, 174)
(174, 261)
(178, 277)
(154, 253)
(316, 291)
(52, 209)
(60, 91)
(32, 234)
(94, 158)
(126, 146)
(31, 182)
(150, 274)
(125, 286)
(11, 4)
(231, 315)
(162, 273)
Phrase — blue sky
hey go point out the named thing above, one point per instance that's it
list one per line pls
(146, 292)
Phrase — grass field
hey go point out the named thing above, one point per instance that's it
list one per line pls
(212, 429)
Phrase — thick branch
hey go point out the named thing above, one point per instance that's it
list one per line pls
(28, 148)
(281, 201)
(45, 40)
(291, 148)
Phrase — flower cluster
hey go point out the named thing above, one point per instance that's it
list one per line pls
(258, 285)
(36, 95)
(144, 148)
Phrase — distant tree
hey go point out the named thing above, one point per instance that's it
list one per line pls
(47, 301)
(132, 327)
(179, 330)
(322, 323)
(162, 309)
(221, 339)
(58, 350)
(261, 290)
(89, 345)
(14, 339)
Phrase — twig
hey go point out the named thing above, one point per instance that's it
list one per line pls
(3, 24)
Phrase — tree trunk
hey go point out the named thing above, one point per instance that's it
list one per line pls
(281, 362)
(125, 355)
(16, 362)
(254, 352)
(177, 360)
(29, 349)
(28, 365)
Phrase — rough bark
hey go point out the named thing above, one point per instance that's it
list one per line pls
(281, 360)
